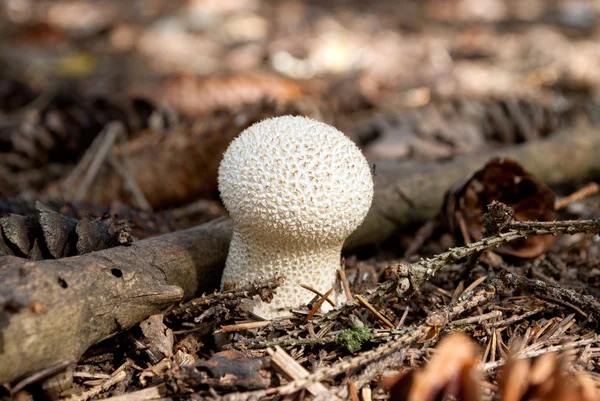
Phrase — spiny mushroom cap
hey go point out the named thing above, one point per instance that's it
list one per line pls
(295, 178)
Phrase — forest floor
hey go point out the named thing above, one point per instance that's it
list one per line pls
(119, 113)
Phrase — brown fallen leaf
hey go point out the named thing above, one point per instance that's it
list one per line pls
(452, 372)
(502, 180)
(545, 378)
(158, 338)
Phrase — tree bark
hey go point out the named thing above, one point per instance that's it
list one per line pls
(76, 302)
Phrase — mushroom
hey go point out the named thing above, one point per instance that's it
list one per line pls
(295, 188)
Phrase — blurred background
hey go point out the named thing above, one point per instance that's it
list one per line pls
(407, 80)
(441, 46)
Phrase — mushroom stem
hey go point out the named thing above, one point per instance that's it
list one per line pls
(267, 257)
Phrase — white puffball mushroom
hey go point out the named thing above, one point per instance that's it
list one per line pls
(295, 188)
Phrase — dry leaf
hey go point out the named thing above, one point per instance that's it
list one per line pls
(159, 338)
(502, 180)
(545, 378)
(452, 372)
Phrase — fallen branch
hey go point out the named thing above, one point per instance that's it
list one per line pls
(412, 193)
(197, 305)
(76, 302)
(554, 294)
(417, 273)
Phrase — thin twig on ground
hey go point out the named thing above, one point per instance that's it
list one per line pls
(562, 296)
(197, 305)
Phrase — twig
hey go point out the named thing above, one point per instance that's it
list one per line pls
(562, 303)
(403, 318)
(204, 302)
(556, 227)
(109, 135)
(200, 207)
(317, 306)
(91, 375)
(243, 326)
(551, 292)
(473, 285)
(514, 319)
(344, 279)
(69, 182)
(477, 319)
(130, 184)
(294, 371)
(591, 189)
(151, 393)
(370, 307)
(118, 376)
(290, 342)
(319, 293)
(286, 341)
(375, 369)
(425, 269)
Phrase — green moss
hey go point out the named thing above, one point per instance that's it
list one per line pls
(353, 338)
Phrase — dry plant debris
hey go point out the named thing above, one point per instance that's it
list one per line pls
(501, 180)
(454, 372)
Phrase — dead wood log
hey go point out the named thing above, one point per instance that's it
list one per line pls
(76, 302)
(411, 193)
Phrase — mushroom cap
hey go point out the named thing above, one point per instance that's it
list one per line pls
(295, 177)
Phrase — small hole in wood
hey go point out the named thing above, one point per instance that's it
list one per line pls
(117, 273)
(62, 282)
